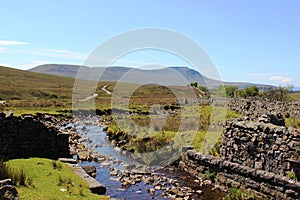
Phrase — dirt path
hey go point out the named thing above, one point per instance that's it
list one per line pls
(105, 90)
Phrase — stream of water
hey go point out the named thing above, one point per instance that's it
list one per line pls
(117, 159)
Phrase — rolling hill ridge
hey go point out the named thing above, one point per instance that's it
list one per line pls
(176, 76)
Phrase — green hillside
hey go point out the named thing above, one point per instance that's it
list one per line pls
(25, 85)
(31, 92)
(28, 92)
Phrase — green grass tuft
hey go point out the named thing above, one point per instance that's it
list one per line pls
(293, 122)
(17, 176)
(210, 175)
(48, 179)
(57, 165)
(292, 176)
(237, 194)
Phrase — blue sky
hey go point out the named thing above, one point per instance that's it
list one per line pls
(253, 41)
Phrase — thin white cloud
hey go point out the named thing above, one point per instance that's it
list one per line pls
(54, 53)
(61, 51)
(60, 56)
(280, 79)
(33, 64)
(150, 55)
(11, 42)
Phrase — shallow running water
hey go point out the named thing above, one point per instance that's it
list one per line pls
(99, 142)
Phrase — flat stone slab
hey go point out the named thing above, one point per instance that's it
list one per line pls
(68, 160)
(94, 185)
(5, 182)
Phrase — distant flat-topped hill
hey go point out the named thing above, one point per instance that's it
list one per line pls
(165, 76)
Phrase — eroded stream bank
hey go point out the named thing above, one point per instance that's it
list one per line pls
(124, 177)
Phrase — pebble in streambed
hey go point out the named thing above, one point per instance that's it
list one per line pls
(157, 185)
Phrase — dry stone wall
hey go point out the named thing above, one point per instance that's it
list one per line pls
(264, 144)
(260, 183)
(257, 155)
(31, 136)
(255, 107)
